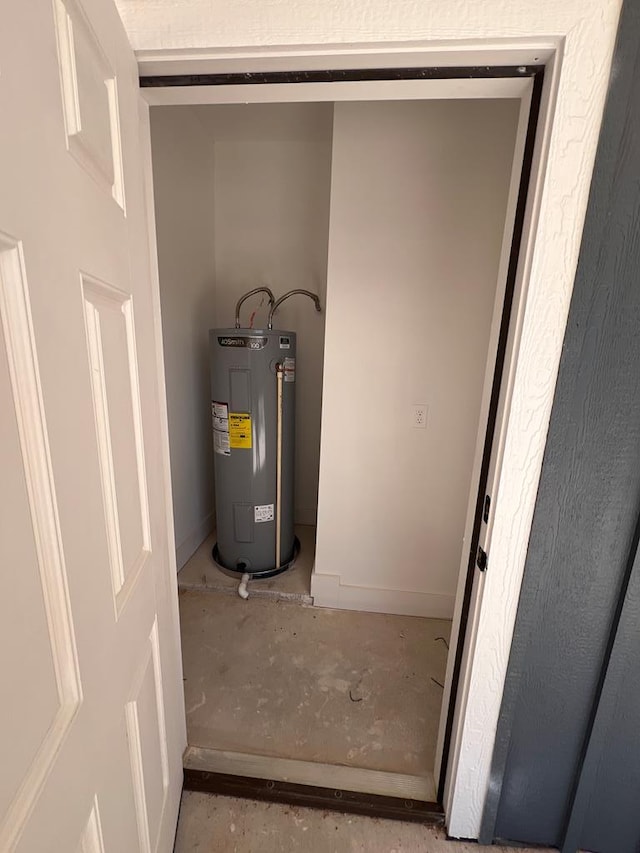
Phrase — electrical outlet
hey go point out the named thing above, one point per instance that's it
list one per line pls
(420, 416)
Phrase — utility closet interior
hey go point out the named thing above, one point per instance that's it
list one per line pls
(393, 214)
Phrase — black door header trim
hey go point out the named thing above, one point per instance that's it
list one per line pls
(341, 76)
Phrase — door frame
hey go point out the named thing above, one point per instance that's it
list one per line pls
(534, 340)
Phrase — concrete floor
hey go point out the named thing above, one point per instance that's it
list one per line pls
(200, 572)
(210, 824)
(341, 687)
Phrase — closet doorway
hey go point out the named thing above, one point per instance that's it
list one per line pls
(400, 213)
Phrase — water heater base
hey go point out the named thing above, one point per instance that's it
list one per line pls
(265, 573)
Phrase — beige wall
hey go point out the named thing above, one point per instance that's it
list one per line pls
(183, 187)
(272, 183)
(418, 202)
(417, 195)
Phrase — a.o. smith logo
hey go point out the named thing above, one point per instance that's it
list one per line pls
(249, 343)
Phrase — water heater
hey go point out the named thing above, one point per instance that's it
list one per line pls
(245, 366)
(253, 384)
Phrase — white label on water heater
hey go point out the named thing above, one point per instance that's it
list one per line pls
(289, 369)
(219, 410)
(220, 418)
(263, 513)
(221, 443)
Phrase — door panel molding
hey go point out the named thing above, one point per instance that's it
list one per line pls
(149, 676)
(93, 137)
(92, 840)
(15, 311)
(99, 297)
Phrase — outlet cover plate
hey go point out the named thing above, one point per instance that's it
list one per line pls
(420, 412)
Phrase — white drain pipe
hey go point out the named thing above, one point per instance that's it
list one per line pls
(243, 592)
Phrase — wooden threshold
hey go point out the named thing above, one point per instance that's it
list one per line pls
(311, 784)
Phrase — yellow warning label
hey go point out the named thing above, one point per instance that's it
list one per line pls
(239, 430)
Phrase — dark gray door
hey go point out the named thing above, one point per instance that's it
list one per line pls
(566, 766)
(605, 810)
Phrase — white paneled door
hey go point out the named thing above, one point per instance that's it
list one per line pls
(91, 715)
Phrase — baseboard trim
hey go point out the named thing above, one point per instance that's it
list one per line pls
(311, 784)
(328, 591)
(190, 545)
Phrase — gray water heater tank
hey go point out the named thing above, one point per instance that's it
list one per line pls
(244, 409)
